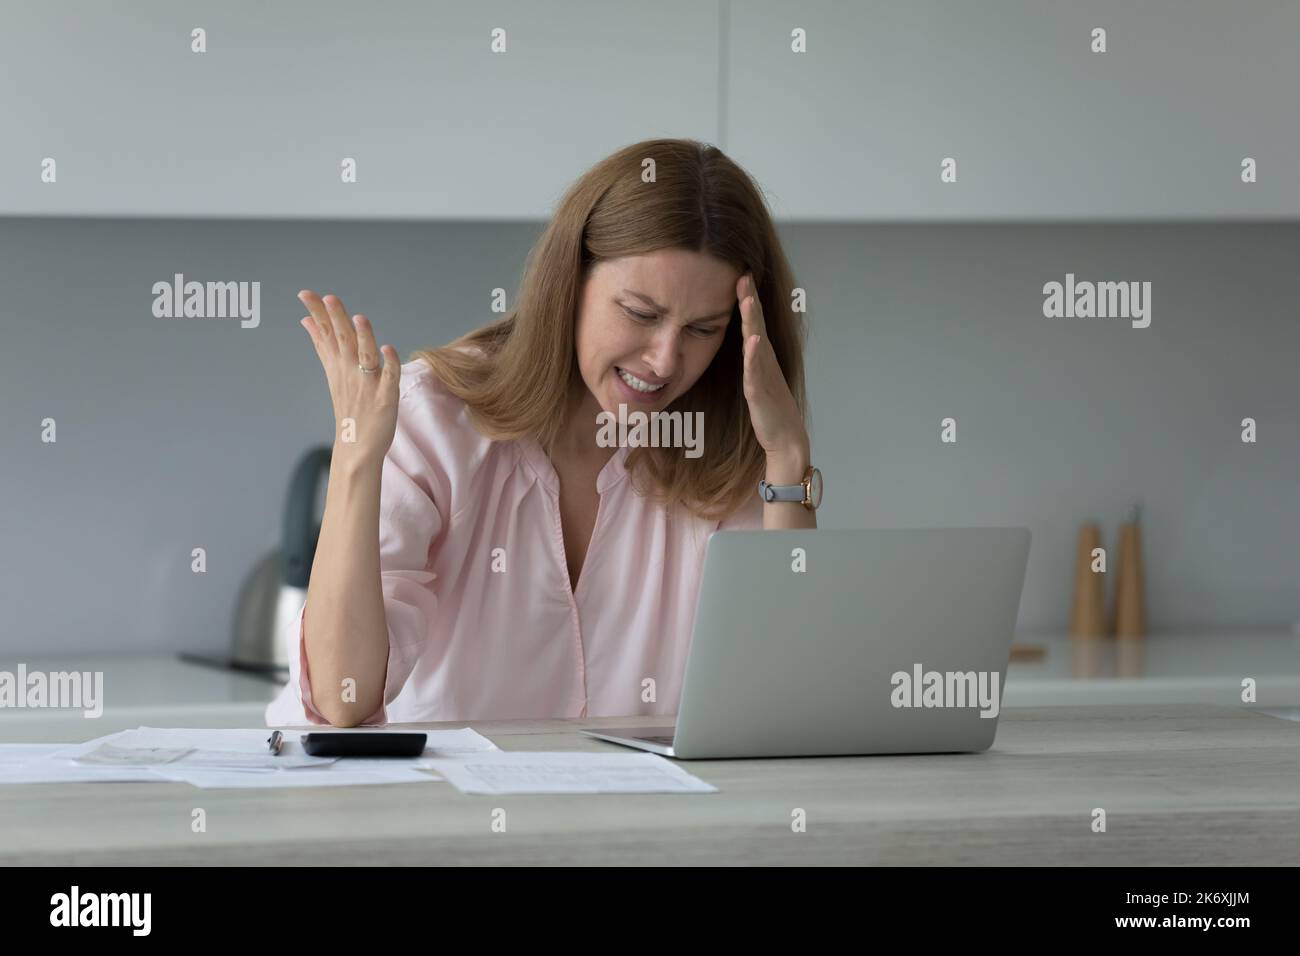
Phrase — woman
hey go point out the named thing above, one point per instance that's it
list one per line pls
(485, 553)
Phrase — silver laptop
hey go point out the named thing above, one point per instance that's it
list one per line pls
(887, 641)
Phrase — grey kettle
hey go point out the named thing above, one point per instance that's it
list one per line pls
(276, 589)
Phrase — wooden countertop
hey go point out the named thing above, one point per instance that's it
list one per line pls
(1181, 784)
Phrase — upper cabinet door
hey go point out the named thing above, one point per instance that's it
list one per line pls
(1036, 125)
(267, 121)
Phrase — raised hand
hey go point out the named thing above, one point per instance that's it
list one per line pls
(773, 411)
(365, 402)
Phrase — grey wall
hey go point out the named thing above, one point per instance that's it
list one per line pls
(180, 433)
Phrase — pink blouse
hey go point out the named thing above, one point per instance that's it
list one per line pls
(482, 621)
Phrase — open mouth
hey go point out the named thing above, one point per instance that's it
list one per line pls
(636, 385)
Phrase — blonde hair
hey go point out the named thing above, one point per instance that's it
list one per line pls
(516, 375)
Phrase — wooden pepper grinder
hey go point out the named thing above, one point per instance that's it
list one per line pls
(1130, 618)
(1088, 617)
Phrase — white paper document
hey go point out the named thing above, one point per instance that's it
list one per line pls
(339, 775)
(110, 755)
(241, 750)
(1283, 713)
(32, 763)
(560, 772)
(225, 759)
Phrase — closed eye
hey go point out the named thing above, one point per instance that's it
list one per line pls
(702, 331)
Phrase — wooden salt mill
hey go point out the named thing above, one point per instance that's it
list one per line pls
(1130, 618)
(1088, 616)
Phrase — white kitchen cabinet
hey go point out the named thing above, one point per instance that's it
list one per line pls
(1041, 128)
(260, 124)
(855, 129)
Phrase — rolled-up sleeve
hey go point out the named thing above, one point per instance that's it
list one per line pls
(410, 523)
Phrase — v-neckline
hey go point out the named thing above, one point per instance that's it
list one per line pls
(612, 472)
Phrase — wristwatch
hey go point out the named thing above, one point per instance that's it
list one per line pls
(807, 493)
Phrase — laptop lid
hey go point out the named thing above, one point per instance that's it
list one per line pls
(847, 641)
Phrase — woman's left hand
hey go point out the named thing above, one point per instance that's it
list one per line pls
(772, 410)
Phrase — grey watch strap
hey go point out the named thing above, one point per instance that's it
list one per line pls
(780, 492)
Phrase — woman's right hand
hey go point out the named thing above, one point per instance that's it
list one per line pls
(368, 399)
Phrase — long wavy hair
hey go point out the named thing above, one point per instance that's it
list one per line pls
(516, 376)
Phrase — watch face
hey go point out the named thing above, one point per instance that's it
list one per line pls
(815, 488)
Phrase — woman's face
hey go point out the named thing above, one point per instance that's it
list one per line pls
(659, 318)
